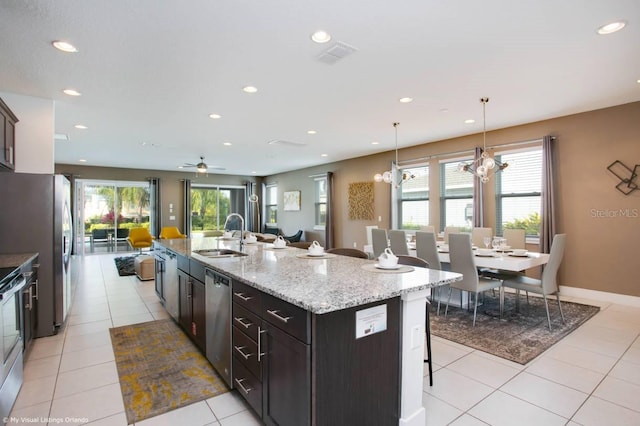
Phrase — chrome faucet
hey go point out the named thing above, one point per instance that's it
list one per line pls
(242, 230)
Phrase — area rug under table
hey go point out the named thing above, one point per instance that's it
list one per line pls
(125, 265)
(518, 336)
(160, 369)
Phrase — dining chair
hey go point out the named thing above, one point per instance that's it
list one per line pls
(426, 249)
(398, 242)
(427, 228)
(462, 261)
(300, 244)
(516, 238)
(547, 284)
(478, 234)
(379, 241)
(140, 238)
(421, 263)
(448, 230)
(348, 251)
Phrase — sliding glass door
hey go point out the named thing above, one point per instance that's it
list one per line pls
(107, 210)
(210, 206)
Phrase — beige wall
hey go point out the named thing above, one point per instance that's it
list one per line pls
(601, 254)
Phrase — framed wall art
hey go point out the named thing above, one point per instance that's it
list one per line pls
(291, 201)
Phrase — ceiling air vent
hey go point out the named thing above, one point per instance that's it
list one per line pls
(336, 52)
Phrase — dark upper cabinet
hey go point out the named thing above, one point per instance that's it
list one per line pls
(7, 137)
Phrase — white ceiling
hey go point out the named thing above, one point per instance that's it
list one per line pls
(152, 71)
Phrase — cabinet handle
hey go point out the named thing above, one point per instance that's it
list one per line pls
(35, 283)
(241, 296)
(260, 353)
(245, 390)
(27, 275)
(242, 323)
(28, 304)
(239, 349)
(274, 313)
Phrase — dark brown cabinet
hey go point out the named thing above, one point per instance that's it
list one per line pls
(7, 137)
(191, 296)
(271, 363)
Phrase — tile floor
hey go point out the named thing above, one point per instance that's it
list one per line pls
(591, 377)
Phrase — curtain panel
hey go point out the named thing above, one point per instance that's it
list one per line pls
(478, 194)
(186, 203)
(548, 208)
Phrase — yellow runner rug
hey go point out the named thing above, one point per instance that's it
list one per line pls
(160, 369)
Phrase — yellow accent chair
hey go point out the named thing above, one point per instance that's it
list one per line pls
(140, 238)
(171, 232)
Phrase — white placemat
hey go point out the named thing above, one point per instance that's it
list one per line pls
(373, 268)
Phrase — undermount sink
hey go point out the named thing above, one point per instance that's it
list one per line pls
(218, 253)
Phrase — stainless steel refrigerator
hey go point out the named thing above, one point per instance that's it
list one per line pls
(35, 216)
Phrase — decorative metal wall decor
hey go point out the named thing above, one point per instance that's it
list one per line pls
(361, 201)
(291, 201)
(629, 179)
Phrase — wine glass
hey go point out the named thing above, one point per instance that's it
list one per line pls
(487, 241)
(495, 243)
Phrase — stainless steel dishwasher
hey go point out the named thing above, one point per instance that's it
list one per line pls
(218, 320)
(171, 296)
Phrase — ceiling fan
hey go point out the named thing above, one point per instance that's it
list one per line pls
(202, 167)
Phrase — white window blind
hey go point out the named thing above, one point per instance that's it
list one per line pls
(413, 199)
(456, 202)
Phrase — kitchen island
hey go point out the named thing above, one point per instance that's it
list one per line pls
(335, 341)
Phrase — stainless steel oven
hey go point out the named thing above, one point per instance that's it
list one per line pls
(11, 332)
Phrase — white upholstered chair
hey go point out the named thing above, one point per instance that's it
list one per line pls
(398, 241)
(379, 241)
(547, 284)
(478, 234)
(426, 249)
(462, 261)
(515, 238)
(448, 230)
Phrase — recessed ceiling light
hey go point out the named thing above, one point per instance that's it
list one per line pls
(321, 36)
(253, 172)
(469, 121)
(181, 167)
(324, 155)
(443, 110)
(249, 89)
(81, 126)
(215, 116)
(82, 160)
(64, 46)
(71, 92)
(611, 28)
(227, 144)
(375, 143)
(406, 100)
(311, 132)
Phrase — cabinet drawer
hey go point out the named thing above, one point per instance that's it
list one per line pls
(246, 296)
(246, 351)
(287, 317)
(196, 270)
(248, 386)
(183, 263)
(245, 321)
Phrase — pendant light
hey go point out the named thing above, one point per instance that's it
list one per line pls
(388, 176)
(485, 166)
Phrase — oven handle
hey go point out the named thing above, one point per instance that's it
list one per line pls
(16, 288)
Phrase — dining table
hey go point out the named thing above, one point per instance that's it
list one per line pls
(504, 260)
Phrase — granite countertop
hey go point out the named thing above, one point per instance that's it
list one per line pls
(8, 260)
(317, 285)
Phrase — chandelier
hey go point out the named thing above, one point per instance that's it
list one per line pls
(486, 165)
(389, 176)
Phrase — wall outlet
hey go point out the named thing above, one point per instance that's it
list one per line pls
(355, 244)
(172, 218)
(379, 218)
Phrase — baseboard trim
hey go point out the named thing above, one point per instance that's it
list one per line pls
(621, 299)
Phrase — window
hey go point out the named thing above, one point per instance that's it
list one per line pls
(210, 206)
(320, 184)
(518, 190)
(456, 200)
(413, 199)
(271, 205)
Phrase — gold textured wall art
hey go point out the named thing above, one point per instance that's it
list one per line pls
(361, 201)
